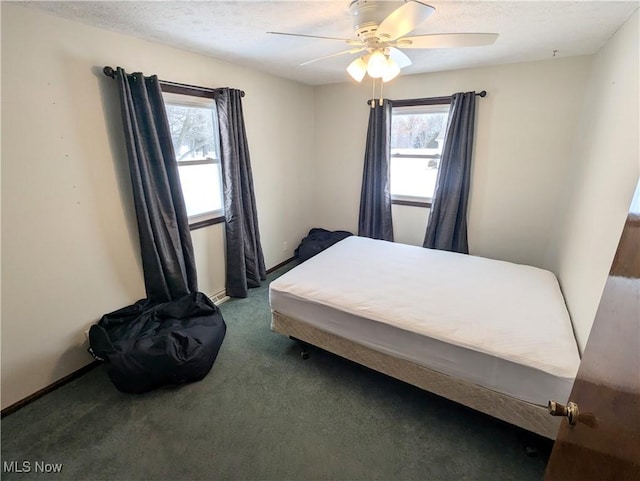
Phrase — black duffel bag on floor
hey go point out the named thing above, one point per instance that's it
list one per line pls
(318, 240)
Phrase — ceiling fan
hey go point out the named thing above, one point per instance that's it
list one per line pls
(380, 29)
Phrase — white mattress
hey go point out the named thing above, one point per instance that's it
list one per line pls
(500, 325)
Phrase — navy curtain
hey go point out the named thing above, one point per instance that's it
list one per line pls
(375, 197)
(163, 225)
(447, 226)
(245, 260)
(174, 335)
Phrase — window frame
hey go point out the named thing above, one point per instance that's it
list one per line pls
(207, 218)
(410, 200)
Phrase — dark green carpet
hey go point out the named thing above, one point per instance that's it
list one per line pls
(263, 413)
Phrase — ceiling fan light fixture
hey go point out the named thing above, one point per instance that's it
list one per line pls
(357, 69)
(381, 27)
(377, 65)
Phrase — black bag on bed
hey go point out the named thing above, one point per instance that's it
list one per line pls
(146, 346)
(318, 240)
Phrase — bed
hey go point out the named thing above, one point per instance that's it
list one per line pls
(491, 335)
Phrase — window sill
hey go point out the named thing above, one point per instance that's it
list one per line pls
(205, 223)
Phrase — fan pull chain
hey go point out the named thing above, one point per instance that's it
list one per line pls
(381, 87)
(373, 93)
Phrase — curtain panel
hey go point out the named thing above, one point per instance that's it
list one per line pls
(375, 197)
(165, 240)
(447, 225)
(245, 260)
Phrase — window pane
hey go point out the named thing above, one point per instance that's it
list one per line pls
(635, 202)
(416, 146)
(201, 188)
(192, 132)
(413, 177)
(418, 131)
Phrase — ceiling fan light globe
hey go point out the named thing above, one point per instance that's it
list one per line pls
(377, 65)
(357, 69)
(391, 71)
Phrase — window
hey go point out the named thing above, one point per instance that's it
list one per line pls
(635, 202)
(193, 123)
(417, 135)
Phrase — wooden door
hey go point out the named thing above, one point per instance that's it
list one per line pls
(604, 444)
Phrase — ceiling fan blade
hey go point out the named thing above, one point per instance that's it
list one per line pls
(399, 57)
(447, 40)
(403, 20)
(310, 36)
(353, 50)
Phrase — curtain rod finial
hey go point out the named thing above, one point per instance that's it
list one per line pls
(109, 72)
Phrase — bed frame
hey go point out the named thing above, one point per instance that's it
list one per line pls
(514, 411)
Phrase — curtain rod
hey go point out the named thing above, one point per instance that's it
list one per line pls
(427, 101)
(110, 72)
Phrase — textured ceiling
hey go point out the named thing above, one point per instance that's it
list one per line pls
(236, 31)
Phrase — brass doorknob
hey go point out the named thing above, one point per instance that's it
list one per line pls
(570, 411)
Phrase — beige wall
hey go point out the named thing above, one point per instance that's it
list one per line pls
(600, 179)
(69, 239)
(524, 135)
